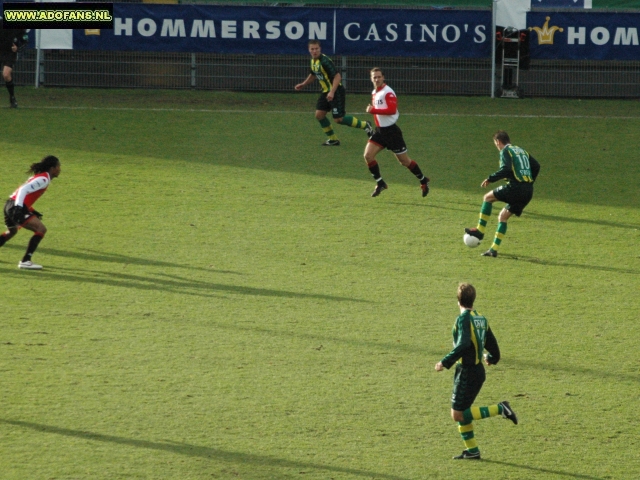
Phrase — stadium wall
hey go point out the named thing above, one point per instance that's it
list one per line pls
(451, 74)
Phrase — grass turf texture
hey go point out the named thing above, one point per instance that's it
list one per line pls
(222, 298)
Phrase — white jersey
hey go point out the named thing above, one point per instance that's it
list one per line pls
(385, 106)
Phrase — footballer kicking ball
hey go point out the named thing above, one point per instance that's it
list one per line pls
(470, 241)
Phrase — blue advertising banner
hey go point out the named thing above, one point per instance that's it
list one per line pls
(286, 30)
(561, 3)
(584, 36)
(414, 33)
(201, 28)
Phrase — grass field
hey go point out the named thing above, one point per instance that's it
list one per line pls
(223, 299)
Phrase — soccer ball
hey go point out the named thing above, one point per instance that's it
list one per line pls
(470, 241)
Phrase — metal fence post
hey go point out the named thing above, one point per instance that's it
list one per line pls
(193, 70)
(493, 47)
(38, 53)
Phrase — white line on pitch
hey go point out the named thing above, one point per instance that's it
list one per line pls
(290, 112)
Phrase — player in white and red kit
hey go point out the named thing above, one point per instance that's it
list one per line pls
(19, 212)
(384, 107)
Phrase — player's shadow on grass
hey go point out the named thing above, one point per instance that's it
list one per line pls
(542, 470)
(552, 263)
(170, 283)
(384, 348)
(473, 207)
(216, 454)
(597, 222)
(603, 374)
(94, 256)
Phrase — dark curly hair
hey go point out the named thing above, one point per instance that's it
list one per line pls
(44, 165)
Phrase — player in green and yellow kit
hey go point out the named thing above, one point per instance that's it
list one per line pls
(471, 336)
(332, 99)
(520, 170)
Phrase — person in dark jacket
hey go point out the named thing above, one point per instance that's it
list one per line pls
(11, 42)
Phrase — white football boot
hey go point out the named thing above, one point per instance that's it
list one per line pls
(29, 265)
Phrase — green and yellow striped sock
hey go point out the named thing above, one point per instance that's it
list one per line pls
(478, 413)
(485, 213)
(350, 121)
(328, 130)
(466, 432)
(500, 233)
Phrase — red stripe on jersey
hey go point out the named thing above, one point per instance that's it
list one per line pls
(392, 105)
(32, 184)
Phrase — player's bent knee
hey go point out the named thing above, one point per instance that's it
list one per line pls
(457, 416)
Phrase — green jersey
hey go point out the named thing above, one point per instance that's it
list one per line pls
(471, 336)
(516, 165)
(325, 71)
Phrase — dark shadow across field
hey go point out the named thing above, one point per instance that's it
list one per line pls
(163, 281)
(475, 208)
(94, 256)
(424, 350)
(215, 454)
(263, 461)
(542, 470)
(172, 284)
(596, 221)
(456, 152)
(573, 370)
(553, 263)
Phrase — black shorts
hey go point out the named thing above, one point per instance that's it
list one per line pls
(467, 382)
(8, 59)
(516, 195)
(8, 221)
(337, 106)
(390, 138)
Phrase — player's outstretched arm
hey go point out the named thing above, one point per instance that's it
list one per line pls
(306, 82)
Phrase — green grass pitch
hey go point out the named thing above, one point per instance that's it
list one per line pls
(223, 299)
